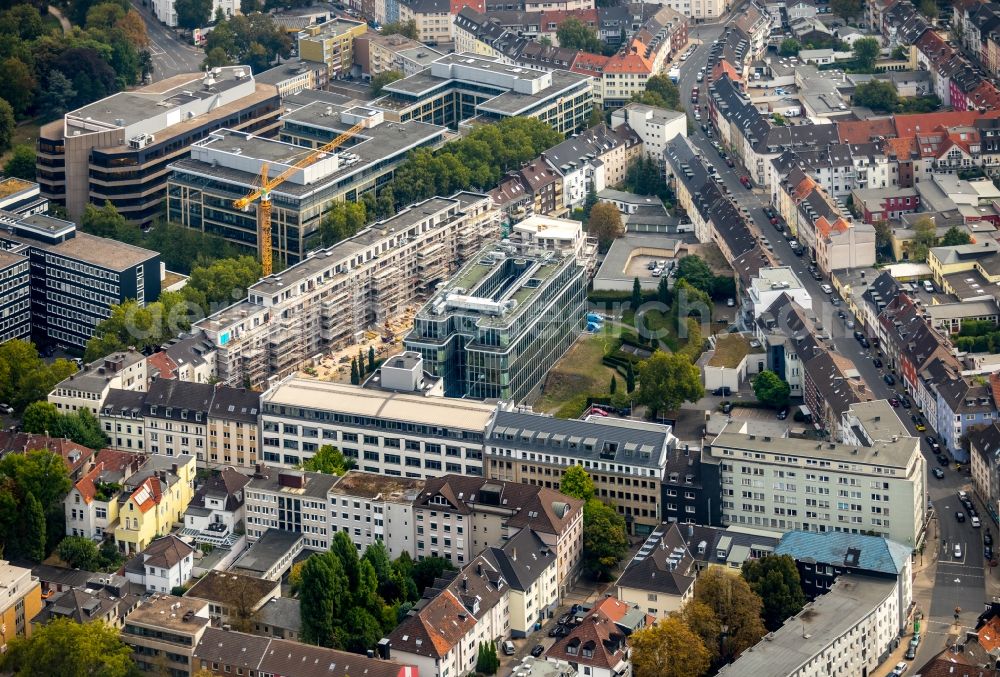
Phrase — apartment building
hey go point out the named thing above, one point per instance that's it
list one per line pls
(119, 148)
(654, 126)
(227, 652)
(598, 644)
(370, 507)
(457, 517)
(164, 564)
(593, 160)
(289, 500)
(368, 280)
(625, 458)
(166, 10)
(824, 637)
(443, 637)
(216, 424)
(15, 301)
(76, 277)
(659, 579)
(495, 327)
(228, 162)
(21, 603)
(88, 388)
(433, 18)
(164, 632)
(384, 431)
(784, 484)
(375, 53)
(457, 88)
(153, 500)
(91, 506)
(331, 43)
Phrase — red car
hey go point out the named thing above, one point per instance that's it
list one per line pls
(745, 180)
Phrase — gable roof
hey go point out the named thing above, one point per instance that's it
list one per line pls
(597, 634)
(663, 564)
(166, 552)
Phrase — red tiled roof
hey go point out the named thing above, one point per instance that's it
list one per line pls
(913, 125)
(557, 16)
(629, 62)
(163, 364)
(863, 131)
(76, 456)
(586, 63)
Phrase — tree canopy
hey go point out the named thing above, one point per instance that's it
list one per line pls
(254, 39)
(32, 487)
(65, 647)
(668, 379)
(866, 51)
(329, 460)
(81, 426)
(953, 236)
(775, 579)
(605, 539)
(790, 47)
(668, 649)
(605, 223)
(924, 237)
(25, 377)
(735, 605)
(21, 164)
(660, 91)
(405, 28)
(847, 9)
(574, 34)
(879, 95)
(576, 482)
(770, 389)
(193, 14)
(382, 79)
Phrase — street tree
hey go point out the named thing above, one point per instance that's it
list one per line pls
(576, 482)
(193, 14)
(668, 649)
(776, 581)
(770, 389)
(668, 379)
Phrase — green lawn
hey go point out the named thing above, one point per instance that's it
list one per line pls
(578, 374)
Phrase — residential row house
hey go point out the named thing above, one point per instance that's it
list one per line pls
(215, 423)
(152, 501)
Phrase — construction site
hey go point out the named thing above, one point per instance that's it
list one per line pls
(363, 291)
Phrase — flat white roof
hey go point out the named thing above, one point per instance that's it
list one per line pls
(358, 401)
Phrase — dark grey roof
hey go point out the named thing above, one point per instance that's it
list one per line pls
(635, 445)
(663, 564)
(522, 559)
(268, 549)
(281, 612)
(181, 400)
(317, 484)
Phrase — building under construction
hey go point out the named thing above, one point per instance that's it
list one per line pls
(330, 299)
(227, 164)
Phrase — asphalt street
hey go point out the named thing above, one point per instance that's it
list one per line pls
(171, 55)
(959, 580)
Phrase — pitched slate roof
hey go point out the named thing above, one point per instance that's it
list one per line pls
(166, 552)
(663, 564)
(853, 551)
(597, 633)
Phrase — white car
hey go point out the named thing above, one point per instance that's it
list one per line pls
(700, 77)
(697, 115)
(827, 289)
(900, 668)
(975, 521)
(958, 551)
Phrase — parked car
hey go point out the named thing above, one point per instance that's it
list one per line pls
(894, 403)
(943, 460)
(729, 162)
(889, 379)
(920, 426)
(975, 521)
(938, 473)
(538, 650)
(508, 647)
(988, 552)
(827, 289)
(745, 180)
(877, 362)
(730, 303)
(727, 407)
(783, 413)
(6, 408)
(960, 516)
(900, 668)
(724, 391)
(958, 551)
(987, 537)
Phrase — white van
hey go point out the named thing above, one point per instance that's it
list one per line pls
(508, 647)
(928, 286)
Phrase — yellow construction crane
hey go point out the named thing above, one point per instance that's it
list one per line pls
(268, 184)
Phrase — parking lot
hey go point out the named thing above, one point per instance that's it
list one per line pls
(638, 266)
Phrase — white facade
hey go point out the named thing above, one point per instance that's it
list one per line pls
(772, 283)
(87, 388)
(166, 11)
(372, 508)
(290, 501)
(655, 126)
(385, 432)
(825, 637)
(784, 484)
